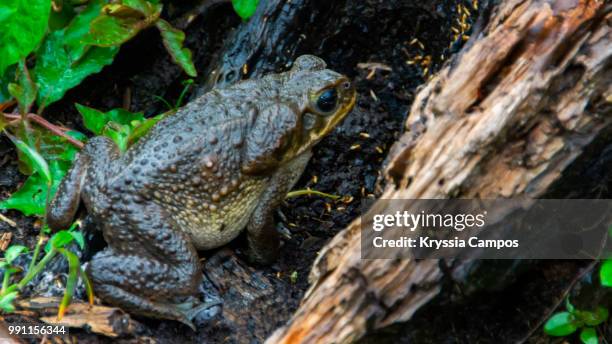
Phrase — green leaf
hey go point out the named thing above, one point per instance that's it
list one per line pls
(13, 252)
(50, 146)
(593, 318)
(31, 198)
(186, 86)
(64, 59)
(125, 117)
(60, 240)
(589, 336)
(561, 324)
(38, 162)
(143, 128)
(60, 19)
(74, 268)
(24, 91)
(79, 239)
(53, 147)
(147, 8)
(6, 302)
(23, 24)
(94, 120)
(77, 31)
(605, 273)
(108, 31)
(245, 8)
(119, 133)
(57, 70)
(173, 41)
(121, 126)
(121, 22)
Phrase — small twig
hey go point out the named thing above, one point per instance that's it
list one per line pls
(7, 220)
(57, 130)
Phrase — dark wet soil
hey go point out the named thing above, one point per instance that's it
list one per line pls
(347, 163)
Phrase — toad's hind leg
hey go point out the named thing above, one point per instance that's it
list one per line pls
(148, 265)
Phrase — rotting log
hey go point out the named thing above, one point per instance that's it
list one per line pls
(504, 118)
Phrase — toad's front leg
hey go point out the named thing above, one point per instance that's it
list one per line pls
(262, 237)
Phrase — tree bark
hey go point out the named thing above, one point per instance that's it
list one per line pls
(504, 118)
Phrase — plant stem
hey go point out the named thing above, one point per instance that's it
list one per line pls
(36, 251)
(57, 130)
(5, 280)
(310, 192)
(31, 273)
(179, 101)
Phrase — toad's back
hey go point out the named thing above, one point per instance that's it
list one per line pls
(190, 164)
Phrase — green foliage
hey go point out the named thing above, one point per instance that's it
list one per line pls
(245, 8)
(62, 64)
(593, 318)
(63, 238)
(561, 324)
(179, 102)
(23, 24)
(588, 335)
(57, 244)
(173, 41)
(36, 161)
(54, 152)
(74, 270)
(121, 126)
(31, 198)
(605, 273)
(96, 120)
(6, 302)
(12, 252)
(25, 90)
(79, 42)
(143, 128)
(120, 22)
(565, 323)
(64, 60)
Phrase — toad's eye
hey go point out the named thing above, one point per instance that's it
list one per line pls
(327, 100)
